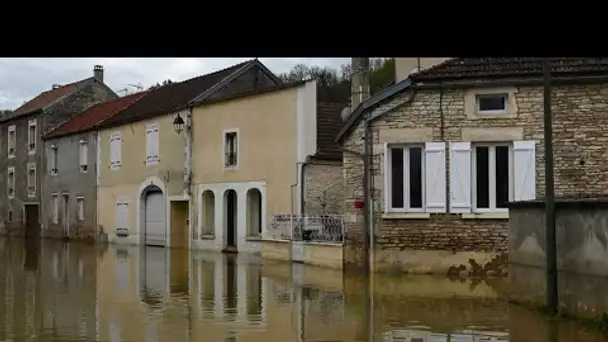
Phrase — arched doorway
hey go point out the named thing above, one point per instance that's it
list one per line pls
(208, 221)
(230, 215)
(254, 212)
(154, 217)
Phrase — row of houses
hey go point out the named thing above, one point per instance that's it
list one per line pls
(211, 162)
(199, 163)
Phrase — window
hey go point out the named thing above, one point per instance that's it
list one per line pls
(492, 103)
(31, 179)
(83, 156)
(31, 136)
(152, 144)
(12, 140)
(115, 150)
(11, 182)
(55, 208)
(231, 149)
(491, 177)
(10, 215)
(54, 156)
(122, 218)
(485, 176)
(80, 206)
(415, 178)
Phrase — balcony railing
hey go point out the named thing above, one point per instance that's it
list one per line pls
(230, 159)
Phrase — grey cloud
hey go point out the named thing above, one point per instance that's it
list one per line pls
(23, 78)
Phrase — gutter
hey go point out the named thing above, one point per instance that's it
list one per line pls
(188, 154)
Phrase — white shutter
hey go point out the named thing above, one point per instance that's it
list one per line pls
(460, 177)
(149, 144)
(112, 150)
(387, 190)
(524, 166)
(83, 153)
(117, 150)
(435, 177)
(155, 143)
(125, 215)
(118, 215)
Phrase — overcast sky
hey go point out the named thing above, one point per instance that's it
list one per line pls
(23, 78)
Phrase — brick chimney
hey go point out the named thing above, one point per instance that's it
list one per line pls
(359, 81)
(98, 73)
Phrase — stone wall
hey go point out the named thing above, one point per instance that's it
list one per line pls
(582, 254)
(468, 242)
(324, 187)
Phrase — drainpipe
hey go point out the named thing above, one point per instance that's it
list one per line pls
(366, 194)
(188, 150)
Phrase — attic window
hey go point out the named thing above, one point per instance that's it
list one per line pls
(492, 103)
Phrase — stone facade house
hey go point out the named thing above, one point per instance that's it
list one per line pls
(22, 155)
(451, 145)
(69, 185)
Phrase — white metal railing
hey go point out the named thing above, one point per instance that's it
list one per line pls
(314, 228)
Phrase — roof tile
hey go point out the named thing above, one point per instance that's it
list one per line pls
(95, 115)
(503, 67)
(168, 98)
(329, 122)
(44, 98)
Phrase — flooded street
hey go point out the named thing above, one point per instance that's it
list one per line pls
(52, 291)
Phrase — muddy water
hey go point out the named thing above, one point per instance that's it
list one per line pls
(58, 292)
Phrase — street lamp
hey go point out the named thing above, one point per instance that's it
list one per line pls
(178, 124)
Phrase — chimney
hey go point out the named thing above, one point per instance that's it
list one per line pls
(98, 73)
(55, 86)
(359, 81)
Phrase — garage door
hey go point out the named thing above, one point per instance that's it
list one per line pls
(155, 219)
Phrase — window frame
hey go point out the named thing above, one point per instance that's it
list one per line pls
(31, 193)
(80, 208)
(83, 146)
(225, 150)
(54, 160)
(55, 208)
(10, 183)
(406, 183)
(12, 141)
(504, 96)
(491, 175)
(31, 139)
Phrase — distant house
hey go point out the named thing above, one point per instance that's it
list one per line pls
(22, 155)
(454, 143)
(69, 185)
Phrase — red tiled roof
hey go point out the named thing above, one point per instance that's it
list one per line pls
(95, 115)
(502, 67)
(329, 122)
(44, 98)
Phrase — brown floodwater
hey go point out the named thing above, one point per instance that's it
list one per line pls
(53, 291)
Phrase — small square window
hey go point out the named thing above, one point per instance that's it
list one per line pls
(492, 103)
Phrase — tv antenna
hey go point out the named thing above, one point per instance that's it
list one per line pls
(137, 86)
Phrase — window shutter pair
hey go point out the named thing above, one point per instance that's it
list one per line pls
(152, 143)
(115, 150)
(524, 176)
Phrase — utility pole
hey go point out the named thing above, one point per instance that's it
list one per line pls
(551, 256)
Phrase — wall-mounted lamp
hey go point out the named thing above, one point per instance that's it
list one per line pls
(178, 124)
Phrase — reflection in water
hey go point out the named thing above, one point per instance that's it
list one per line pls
(70, 292)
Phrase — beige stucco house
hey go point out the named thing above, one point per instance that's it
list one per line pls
(144, 162)
(453, 144)
(259, 155)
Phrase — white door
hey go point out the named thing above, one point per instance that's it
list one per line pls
(155, 219)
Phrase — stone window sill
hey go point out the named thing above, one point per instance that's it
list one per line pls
(502, 215)
(253, 238)
(406, 216)
(207, 237)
